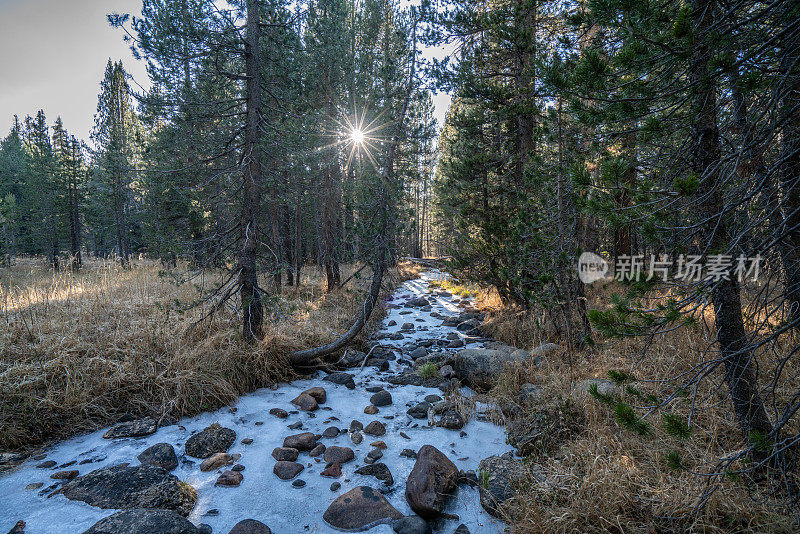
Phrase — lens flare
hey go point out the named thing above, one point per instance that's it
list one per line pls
(357, 136)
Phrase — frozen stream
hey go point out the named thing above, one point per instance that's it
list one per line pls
(262, 495)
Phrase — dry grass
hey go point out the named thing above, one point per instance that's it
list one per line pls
(79, 351)
(609, 478)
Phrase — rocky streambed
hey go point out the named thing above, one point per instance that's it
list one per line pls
(390, 444)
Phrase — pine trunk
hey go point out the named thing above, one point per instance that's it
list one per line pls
(252, 310)
(740, 374)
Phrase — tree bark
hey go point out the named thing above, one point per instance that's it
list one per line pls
(252, 310)
(790, 164)
(740, 375)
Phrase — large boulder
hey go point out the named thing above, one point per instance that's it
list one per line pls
(132, 429)
(360, 509)
(212, 439)
(499, 478)
(140, 521)
(123, 487)
(431, 482)
(480, 368)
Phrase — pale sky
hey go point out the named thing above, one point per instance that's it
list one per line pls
(53, 54)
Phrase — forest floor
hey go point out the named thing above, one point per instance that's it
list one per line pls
(590, 471)
(64, 334)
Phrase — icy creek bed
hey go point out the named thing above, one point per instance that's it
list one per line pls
(262, 495)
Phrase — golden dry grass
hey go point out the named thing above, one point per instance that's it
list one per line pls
(80, 350)
(607, 478)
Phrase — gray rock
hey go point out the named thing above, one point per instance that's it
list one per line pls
(446, 371)
(378, 470)
(356, 437)
(285, 454)
(412, 524)
(352, 358)
(461, 529)
(318, 394)
(360, 509)
(204, 528)
(419, 352)
(319, 450)
(123, 487)
(528, 394)
(546, 349)
(408, 453)
(214, 438)
(375, 428)
(604, 387)
(499, 478)
(18, 528)
(335, 486)
(407, 327)
(470, 326)
(229, 478)
(342, 379)
(161, 455)
(330, 432)
(418, 302)
(419, 411)
(287, 470)
(338, 455)
(131, 429)
(302, 442)
(250, 526)
(451, 419)
(64, 475)
(382, 398)
(218, 459)
(480, 368)
(140, 521)
(433, 479)
(279, 413)
(47, 464)
(305, 402)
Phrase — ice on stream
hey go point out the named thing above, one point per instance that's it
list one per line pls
(262, 496)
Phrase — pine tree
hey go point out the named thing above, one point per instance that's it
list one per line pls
(116, 135)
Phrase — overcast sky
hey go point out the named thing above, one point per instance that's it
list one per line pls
(53, 54)
(52, 57)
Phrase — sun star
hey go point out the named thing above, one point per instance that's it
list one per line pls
(357, 136)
